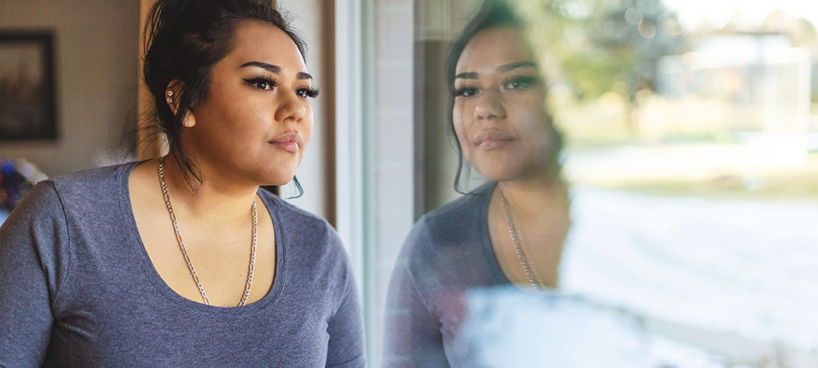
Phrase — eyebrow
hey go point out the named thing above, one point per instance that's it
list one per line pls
(519, 64)
(466, 75)
(502, 69)
(275, 69)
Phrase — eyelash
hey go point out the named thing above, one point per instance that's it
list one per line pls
(461, 92)
(529, 81)
(272, 83)
(309, 92)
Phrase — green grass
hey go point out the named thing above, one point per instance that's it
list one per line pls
(730, 187)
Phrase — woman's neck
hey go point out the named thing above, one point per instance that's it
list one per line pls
(540, 210)
(215, 199)
(530, 198)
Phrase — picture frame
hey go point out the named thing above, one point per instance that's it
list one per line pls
(27, 91)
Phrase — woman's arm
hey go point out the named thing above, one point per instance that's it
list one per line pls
(347, 347)
(412, 335)
(30, 270)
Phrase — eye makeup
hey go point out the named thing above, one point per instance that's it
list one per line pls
(267, 83)
(262, 82)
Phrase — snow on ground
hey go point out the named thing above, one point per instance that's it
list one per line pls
(749, 267)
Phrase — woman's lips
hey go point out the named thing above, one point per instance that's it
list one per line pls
(290, 141)
(492, 139)
(287, 146)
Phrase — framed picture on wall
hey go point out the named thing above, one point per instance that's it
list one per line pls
(27, 101)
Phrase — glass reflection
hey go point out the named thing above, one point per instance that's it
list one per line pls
(477, 283)
(509, 231)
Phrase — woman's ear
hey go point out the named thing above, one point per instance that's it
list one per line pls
(190, 120)
(173, 94)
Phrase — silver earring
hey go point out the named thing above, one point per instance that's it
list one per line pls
(169, 100)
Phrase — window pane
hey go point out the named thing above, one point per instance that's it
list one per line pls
(686, 161)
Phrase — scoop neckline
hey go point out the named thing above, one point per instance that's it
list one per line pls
(152, 275)
(497, 274)
(488, 251)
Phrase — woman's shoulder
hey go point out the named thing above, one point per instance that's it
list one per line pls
(294, 216)
(88, 186)
(301, 226)
(99, 174)
(93, 186)
(310, 245)
(460, 215)
(452, 229)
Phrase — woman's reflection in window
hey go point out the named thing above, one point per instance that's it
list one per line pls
(509, 231)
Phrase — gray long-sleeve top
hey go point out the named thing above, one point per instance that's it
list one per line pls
(447, 253)
(77, 288)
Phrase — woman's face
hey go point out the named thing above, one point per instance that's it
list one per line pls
(499, 115)
(256, 120)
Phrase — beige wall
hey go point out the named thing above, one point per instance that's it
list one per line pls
(97, 54)
(96, 51)
(438, 22)
(306, 17)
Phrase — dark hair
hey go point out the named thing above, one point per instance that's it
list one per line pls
(183, 40)
(490, 14)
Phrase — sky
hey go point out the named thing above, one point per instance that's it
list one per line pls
(719, 12)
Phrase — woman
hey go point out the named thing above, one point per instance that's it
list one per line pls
(509, 231)
(183, 260)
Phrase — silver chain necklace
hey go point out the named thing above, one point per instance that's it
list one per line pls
(252, 266)
(514, 229)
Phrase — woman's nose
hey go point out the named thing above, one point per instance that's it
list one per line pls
(291, 107)
(490, 105)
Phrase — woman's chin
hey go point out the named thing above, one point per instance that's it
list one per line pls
(507, 174)
(280, 183)
(277, 179)
(497, 172)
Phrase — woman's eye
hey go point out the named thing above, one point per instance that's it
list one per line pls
(261, 83)
(520, 83)
(466, 92)
(307, 92)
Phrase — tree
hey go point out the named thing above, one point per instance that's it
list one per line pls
(601, 44)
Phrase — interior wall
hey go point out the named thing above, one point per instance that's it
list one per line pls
(440, 158)
(438, 21)
(96, 55)
(306, 17)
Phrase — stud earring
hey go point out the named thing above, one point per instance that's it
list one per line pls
(169, 99)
